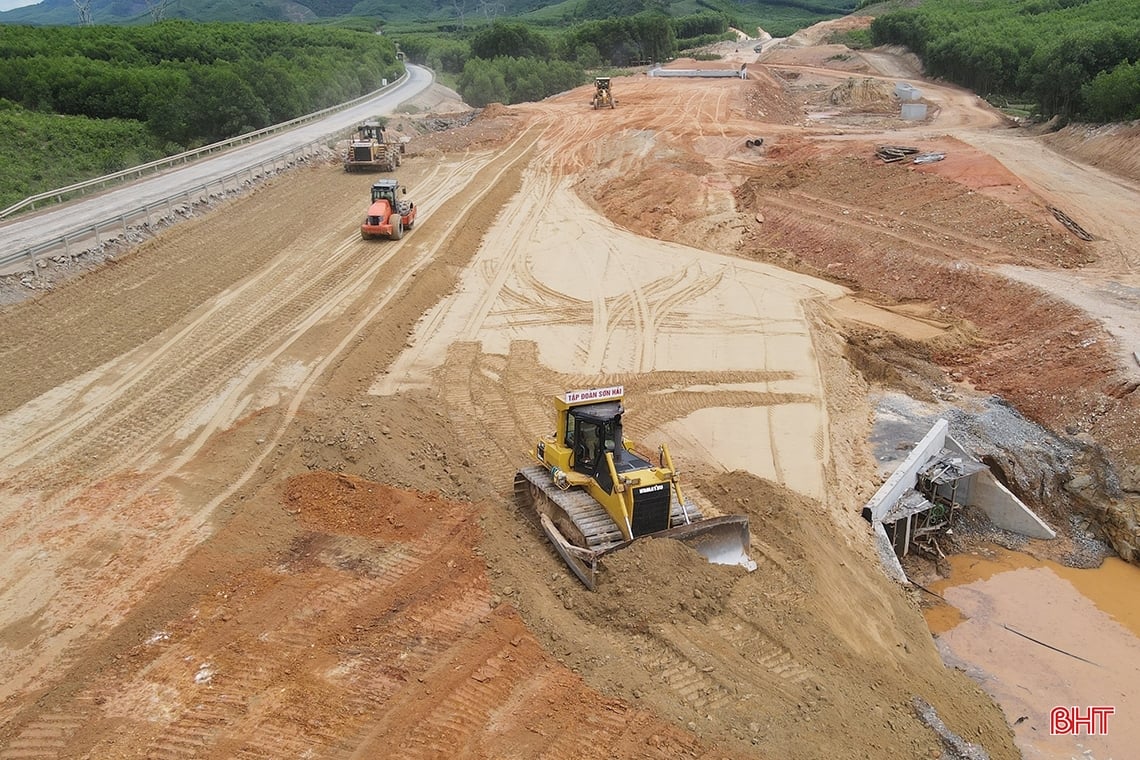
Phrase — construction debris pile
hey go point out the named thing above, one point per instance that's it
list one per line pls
(892, 153)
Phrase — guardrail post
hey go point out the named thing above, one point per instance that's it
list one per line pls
(67, 246)
(97, 240)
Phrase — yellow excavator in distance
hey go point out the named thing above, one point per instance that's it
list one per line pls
(593, 494)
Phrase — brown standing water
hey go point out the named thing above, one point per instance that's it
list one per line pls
(1038, 635)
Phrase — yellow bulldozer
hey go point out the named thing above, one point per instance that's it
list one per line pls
(603, 95)
(594, 494)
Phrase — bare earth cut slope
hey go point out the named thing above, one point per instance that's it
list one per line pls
(255, 476)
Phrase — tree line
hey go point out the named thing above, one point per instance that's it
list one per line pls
(511, 62)
(191, 83)
(1070, 58)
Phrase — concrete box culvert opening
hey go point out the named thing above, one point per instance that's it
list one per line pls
(921, 501)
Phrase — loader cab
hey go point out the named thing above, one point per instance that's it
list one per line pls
(370, 131)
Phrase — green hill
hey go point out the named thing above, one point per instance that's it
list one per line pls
(784, 15)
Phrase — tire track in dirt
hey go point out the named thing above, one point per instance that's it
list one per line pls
(475, 399)
(48, 736)
(635, 315)
(797, 221)
(493, 400)
(310, 280)
(246, 685)
(534, 302)
(707, 674)
(910, 231)
(679, 672)
(140, 570)
(286, 298)
(509, 231)
(154, 396)
(407, 664)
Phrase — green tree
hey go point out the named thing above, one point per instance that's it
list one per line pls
(1114, 95)
(483, 82)
(222, 104)
(509, 39)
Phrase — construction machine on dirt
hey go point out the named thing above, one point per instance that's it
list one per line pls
(593, 494)
(367, 150)
(388, 216)
(603, 95)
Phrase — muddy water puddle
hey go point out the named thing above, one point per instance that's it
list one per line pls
(1038, 635)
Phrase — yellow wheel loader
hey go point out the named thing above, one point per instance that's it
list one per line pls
(593, 494)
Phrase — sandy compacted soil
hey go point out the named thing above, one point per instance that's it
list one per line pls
(255, 476)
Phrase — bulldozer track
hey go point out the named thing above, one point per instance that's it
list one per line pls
(535, 489)
(488, 398)
(598, 529)
(758, 649)
(232, 679)
(48, 736)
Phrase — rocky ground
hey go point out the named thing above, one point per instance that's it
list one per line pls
(255, 472)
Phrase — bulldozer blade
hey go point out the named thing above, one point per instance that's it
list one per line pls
(720, 540)
(583, 562)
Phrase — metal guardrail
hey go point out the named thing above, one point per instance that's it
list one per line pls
(123, 221)
(111, 228)
(136, 172)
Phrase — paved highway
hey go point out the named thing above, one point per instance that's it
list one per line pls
(40, 227)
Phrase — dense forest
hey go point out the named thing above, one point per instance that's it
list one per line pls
(1070, 58)
(77, 102)
(780, 17)
(191, 83)
(510, 62)
(140, 79)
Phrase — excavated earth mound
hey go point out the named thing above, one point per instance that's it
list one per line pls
(671, 632)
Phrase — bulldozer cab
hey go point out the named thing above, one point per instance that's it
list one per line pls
(587, 432)
(594, 430)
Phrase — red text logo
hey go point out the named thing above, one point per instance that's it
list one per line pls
(1075, 720)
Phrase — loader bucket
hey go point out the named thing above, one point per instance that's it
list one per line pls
(720, 540)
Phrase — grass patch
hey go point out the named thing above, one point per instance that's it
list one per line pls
(856, 39)
(44, 152)
(1021, 110)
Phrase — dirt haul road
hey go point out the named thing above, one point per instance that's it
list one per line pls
(254, 477)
